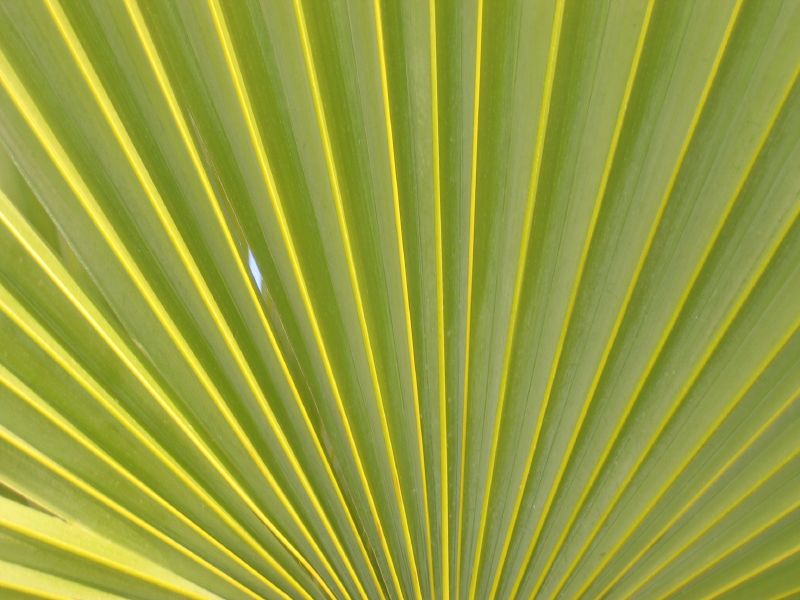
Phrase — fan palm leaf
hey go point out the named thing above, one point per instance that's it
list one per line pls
(399, 299)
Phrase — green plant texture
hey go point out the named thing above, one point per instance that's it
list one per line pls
(399, 299)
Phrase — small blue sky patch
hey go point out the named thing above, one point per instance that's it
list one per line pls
(254, 270)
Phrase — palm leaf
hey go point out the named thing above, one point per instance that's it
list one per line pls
(399, 299)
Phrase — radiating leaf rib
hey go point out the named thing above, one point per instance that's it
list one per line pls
(141, 27)
(235, 264)
(734, 524)
(739, 474)
(9, 381)
(441, 359)
(18, 582)
(247, 443)
(36, 248)
(730, 318)
(541, 136)
(30, 452)
(784, 408)
(170, 227)
(455, 39)
(756, 566)
(25, 591)
(611, 155)
(777, 582)
(473, 189)
(682, 303)
(772, 522)
(714, 237)
(15, 311)
(629, 294)
(273, 193)
(785, 557)
(52, 532)
(712, 481)
(725, 511)
(275, 198)
(357, 295)
(404, 284)
(16, 91)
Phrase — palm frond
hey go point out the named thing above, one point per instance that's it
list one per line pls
(399, 299)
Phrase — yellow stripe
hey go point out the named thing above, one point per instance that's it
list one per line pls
(359, 303)
(96, 558)
(541, 136)
(690, 286)
(788, 404)
(27, 395)
(789, 595)
(17, 314)
(476, 105)
(170, 228)
(731, 316)
(444, 540)
(274, 197)
(757, 571)
(163, 80)
(637, 272)
(600, 196)
(33, 592)
(772, 522)
(351, 267)
(565, 325)
(751, 381)
(404, 282)
(729, 319)
(38, 250)
(79, 188)
(50, 144)
(28, 450)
